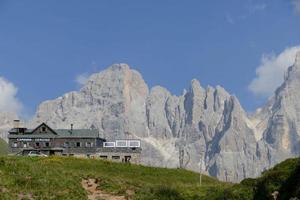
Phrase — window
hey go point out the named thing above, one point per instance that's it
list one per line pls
(78, 144)
(115, 157)
(121, 143)
(134, 143)
(25, 145)
(47, 144)
(109, 144)
(37, 144)
(127, 159)
(103, 157)
(14, 145)
(66, 144)
(44, 129)
(88, 144)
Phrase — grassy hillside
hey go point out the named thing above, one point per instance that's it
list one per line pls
(284, 178)
(3, 147)
(60, 178)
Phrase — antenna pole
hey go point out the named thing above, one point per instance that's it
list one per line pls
(200, 169)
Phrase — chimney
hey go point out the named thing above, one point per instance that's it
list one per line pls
(71, 128)
(16, 124)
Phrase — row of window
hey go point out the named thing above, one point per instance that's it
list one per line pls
(123, 143)
(47, 144)
(26, 144)
(118, 143)
(124, 159)
(79, 144)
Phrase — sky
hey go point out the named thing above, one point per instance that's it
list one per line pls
(47, 48)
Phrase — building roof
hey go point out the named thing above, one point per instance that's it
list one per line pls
(77, 132)
(54, 133)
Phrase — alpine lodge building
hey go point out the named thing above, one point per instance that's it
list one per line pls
(71, 142)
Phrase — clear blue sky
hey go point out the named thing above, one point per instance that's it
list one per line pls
(44, 45)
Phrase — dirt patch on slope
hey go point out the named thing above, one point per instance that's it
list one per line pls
(25, 197)
(94, 193)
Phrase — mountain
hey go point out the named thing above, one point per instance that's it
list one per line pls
(176, 131)
(204, 127)
(281, 118)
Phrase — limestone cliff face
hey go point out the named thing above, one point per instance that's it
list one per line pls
(282, 133)
(176, 131)
(112, 101)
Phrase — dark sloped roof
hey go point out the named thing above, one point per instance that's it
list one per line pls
(93, 133)
(57, 133)
(61, 133)
(32, 136)
(27, 131)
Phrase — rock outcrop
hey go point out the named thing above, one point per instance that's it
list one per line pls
(282, 132)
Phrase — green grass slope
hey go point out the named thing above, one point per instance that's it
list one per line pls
(284, 178)
(60, 178)
(3, 147)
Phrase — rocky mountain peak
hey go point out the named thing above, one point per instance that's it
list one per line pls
(195, 86)
(293, 72)
(118, 76)
(120, 67)
(280, 118)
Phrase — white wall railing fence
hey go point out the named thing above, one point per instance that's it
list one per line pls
(123, 143)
